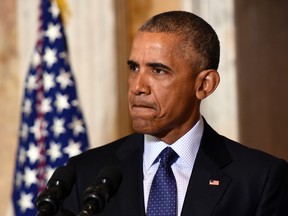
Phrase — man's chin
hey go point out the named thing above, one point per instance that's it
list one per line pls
(141, 126)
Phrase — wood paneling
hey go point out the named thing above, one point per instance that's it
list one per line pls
(262, 59)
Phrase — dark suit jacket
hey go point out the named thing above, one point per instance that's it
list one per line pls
(251, 183)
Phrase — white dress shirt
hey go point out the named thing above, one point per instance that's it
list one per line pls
(186, 147)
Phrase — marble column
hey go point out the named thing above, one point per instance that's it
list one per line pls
(221, 108)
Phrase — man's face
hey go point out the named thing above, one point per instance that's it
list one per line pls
(161, 93)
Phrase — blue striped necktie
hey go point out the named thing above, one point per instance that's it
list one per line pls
(163, 192)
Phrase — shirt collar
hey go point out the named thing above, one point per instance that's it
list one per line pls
(186, 146)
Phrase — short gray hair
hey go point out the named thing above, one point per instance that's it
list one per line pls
(193, 31)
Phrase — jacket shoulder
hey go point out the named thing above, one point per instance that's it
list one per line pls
(105, 154)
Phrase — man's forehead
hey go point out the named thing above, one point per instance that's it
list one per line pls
(154, 42)
(156, 35)
(157, 45)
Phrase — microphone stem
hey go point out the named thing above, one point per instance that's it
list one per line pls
(42, 214)
(45, 210)
(90, 209)
(84, 213)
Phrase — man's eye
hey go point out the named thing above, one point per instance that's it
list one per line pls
(133, 68)
(159, 71)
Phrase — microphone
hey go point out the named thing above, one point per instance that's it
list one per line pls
(58, 188)
(98, 194)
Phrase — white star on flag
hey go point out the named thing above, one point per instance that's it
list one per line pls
(77, 125)
(61, 102)
(53, 32)
(58, 126)
(18, 180)
(26, 109)
(54, 10)
(46, 105)
(48, 81)
(22, 156)
(31, 84)
(50, 57)
(38, 129)
(24, 131)
(64, 79)
(54, 151)
(25, 201)
(36, 60)
(73, 148)
(29, 177)
(33, 153)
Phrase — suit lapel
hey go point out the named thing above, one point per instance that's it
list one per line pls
(201, 197)
(207, 183)
(131, 192)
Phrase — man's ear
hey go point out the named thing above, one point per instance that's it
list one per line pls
(206, 83)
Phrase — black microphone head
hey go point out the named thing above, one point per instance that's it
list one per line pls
(110, 175)
(58, 187)
(98, 194)
(63, 175)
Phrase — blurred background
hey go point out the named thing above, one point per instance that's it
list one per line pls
(250, 105)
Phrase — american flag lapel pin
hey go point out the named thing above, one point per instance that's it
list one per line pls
(214, 182)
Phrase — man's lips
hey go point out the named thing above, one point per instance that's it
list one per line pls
(140, 102)
(142, 109)
(142, 106)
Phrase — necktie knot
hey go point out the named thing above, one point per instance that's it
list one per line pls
(167, 157)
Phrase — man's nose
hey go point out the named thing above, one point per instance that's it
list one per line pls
(139, 83)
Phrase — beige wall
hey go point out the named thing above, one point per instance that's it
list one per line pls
(9, 97)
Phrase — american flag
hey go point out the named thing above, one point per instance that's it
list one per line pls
(214, 182)
(52, 127)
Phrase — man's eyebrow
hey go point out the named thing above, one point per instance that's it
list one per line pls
(132, 63)
(158, 65)
(151, 64)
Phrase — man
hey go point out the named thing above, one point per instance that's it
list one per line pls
(173, 67)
